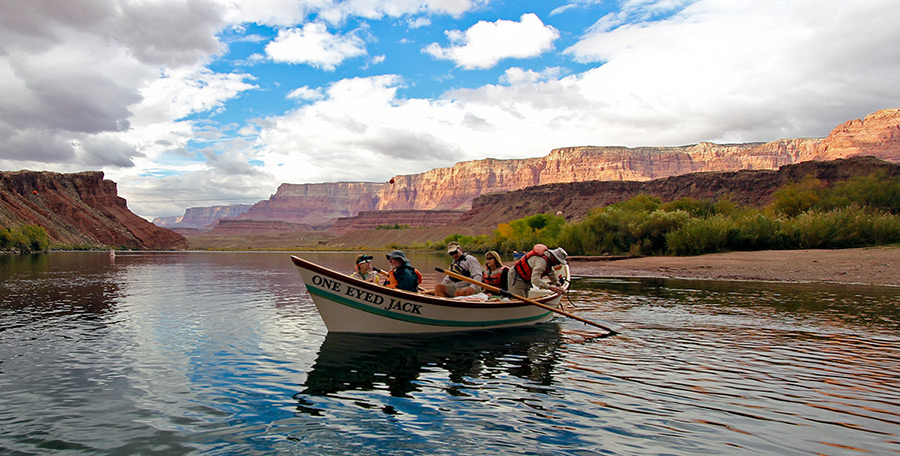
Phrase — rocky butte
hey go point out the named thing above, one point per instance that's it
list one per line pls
(316, 204)
(199, 217)
(78, 209)
(454, 188)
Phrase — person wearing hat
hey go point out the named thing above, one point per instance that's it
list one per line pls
(465, 265)
(532, 267)
(402, 275)
(364, 269)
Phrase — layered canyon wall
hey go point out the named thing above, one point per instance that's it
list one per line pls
(877, 135)
(455, 187)
(747, 187)
(79, 209)
(367, 220)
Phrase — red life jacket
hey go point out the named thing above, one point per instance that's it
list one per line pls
(523, 269)
(497, 278)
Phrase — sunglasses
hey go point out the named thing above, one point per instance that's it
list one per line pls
(454, 253)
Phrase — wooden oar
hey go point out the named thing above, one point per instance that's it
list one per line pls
(507, 294)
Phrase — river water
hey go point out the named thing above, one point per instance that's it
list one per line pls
(223, 353)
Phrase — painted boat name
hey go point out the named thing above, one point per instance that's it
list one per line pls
(367, 296)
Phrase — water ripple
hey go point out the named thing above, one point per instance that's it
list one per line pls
(197, 353)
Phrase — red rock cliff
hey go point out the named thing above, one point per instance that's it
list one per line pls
(745, 187)
(455, 187)
(78, 209)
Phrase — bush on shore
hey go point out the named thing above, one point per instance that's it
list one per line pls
(26, 239)
(808, 214)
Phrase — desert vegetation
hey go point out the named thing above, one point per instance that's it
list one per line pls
(26, 239)
(809, 214)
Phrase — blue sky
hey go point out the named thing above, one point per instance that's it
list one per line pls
(208, 102)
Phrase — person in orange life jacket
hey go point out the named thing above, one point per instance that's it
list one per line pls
(536, 264)
(402, 275)
(465, 265)
(364, 269)
(494, 271)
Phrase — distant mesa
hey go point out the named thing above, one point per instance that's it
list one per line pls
(201, 218)
(329, 205)
(233, 226)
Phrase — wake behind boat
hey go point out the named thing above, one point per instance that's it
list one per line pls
(347, 304)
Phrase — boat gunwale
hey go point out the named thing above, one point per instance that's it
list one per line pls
(433, 300)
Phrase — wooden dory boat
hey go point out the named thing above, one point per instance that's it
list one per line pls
(347, 304)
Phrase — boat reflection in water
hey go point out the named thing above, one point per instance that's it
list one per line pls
(449, 362)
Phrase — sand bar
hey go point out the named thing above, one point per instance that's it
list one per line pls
(872, 265)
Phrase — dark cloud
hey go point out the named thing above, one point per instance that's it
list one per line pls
(477, 123)
(73, 70)
(228, 165)
(172, 33)
(169, 32)
(108, 151)
(34, 145)
(70, 98)
(33, 26)
(413, 145)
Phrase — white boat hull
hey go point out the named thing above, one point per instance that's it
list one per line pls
(350, 305)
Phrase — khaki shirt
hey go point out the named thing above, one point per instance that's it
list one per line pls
(538, 267)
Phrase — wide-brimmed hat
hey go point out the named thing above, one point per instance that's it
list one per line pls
(453, 247)
(364, 259)
(560, 254)
(398, 255)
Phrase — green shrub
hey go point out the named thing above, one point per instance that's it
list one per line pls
(700, 236)
(797, 198)
(875, 192)
(694, 207)
(862, 211)
(28, 238)
(842, 228)
(649, 232)
(757, 232)
(37, 238)
(522, 234)
(395, 226)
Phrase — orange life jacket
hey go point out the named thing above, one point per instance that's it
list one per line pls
(392, 280)
(523, 269)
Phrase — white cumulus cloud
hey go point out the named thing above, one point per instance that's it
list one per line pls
(486, 43)
(314, 45)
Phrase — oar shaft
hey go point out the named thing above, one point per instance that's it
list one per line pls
(521, 298)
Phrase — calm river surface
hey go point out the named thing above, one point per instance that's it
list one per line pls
(223, 353)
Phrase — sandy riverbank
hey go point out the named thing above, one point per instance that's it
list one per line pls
(875, 265)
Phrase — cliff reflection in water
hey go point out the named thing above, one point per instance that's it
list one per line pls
(348, 362)
(37, 288)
